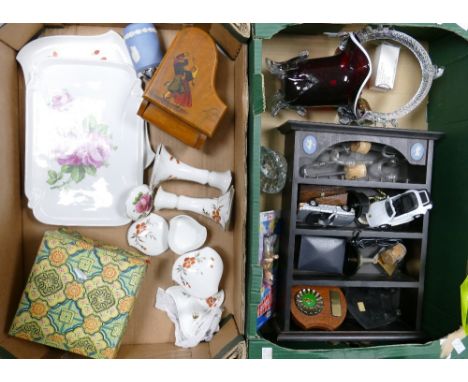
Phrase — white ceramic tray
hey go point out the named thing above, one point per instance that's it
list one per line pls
(84, 141)
(108, 47)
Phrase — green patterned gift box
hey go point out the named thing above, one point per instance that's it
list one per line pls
(79, 295)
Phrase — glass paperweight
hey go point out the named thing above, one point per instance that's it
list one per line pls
(273, 169)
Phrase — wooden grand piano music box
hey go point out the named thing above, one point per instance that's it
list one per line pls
(181, 98)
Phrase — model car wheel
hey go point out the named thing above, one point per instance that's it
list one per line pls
(361, 221)
(313, 219)
(360, 202)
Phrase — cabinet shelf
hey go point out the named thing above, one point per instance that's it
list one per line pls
(341, 335)
(361, 183)
(304, 230)
(399, 280)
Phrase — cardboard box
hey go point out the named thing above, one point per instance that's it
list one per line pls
(444, 110)
(149, 334)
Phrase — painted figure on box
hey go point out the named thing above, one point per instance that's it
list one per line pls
(178, 89)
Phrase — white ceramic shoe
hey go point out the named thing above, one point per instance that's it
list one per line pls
(217, 209)
(195, 319)
(149, 235)
(166, 167)
(185, 234)
(199, 272)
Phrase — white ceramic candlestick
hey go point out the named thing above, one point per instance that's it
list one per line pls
(217, 209)
(168, 167)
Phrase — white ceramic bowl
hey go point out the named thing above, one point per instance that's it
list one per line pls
(199, 272)
(149, 235)
(139, 202)
(185, 234)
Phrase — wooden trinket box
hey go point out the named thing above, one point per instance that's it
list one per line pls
(181, 98)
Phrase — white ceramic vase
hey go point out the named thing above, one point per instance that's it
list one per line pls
(166, 167)
(217, 209)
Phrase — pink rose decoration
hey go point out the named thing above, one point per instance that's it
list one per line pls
(60, 101)
(82, 153)
(94, 152)
(144, 204)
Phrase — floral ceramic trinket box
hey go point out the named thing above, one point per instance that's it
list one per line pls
(79, 295)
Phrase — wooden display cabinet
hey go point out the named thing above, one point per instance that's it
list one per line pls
(305, 142)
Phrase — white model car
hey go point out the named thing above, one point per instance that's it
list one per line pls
(399, 209)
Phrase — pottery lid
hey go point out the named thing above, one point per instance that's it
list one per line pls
(149, 235)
